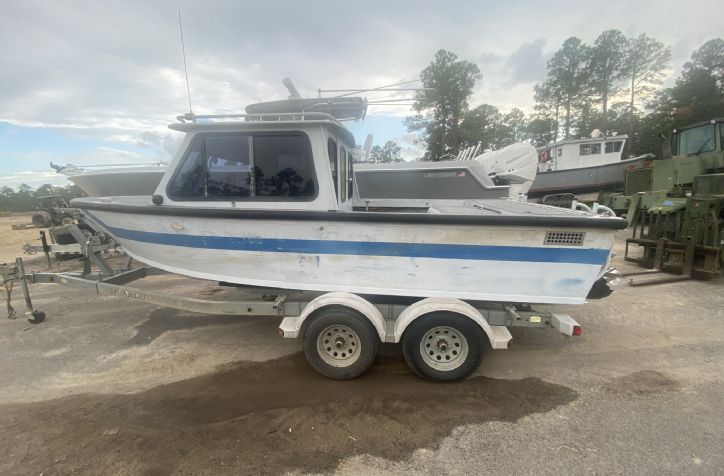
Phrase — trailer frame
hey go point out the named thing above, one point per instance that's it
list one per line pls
(387, 316)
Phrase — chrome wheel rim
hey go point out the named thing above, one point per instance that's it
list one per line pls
(444, 348)
(338, 346)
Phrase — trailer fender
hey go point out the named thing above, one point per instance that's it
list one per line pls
(291, 326)
(499, 336)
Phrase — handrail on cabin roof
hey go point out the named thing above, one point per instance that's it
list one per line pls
(276, 116)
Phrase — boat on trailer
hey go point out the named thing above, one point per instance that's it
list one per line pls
(270, 200)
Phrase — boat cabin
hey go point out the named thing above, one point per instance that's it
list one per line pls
(281, 161)
(580, 153)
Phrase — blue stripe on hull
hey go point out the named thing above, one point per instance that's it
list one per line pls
(595, 256)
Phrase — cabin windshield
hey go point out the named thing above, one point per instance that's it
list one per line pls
(695, 140)
(234, 166)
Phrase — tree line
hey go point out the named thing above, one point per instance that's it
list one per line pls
(613, 85)
(26, 199)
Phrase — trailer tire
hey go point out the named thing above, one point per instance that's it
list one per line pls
(340, 343)
(443, 346)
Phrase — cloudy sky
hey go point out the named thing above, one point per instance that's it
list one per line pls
(98, 82)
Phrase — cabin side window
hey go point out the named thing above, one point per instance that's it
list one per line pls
(613, 146)
(342, 174)
(584, 149)
(283, 167)
(230, 166)
(188, 181)
(332, 150)
(350, 180)
(560, 152)
(596, 148)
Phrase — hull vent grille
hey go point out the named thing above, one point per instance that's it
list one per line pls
(566, 238)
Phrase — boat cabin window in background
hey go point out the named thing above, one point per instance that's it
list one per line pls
(560, 152)
(613, 146)
(237, 166)
(342, 174)
(332, 150)
(350, 180)
(589, 149)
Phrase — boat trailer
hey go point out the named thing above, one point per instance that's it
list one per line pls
(442, 338)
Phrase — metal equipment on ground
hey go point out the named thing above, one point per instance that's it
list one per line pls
(676, 206)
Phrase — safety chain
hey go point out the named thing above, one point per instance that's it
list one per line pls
(7, 291)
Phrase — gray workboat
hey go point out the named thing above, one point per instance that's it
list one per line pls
(583, 165)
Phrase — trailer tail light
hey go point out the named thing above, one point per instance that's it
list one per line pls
(577, 330)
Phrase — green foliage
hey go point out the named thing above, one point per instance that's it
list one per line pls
(376, 154)
(512, 129)
(541, 130)
(568, 78)
(611, 86)
(390, 152)
(582, 80)
(25, 199)
(645, 62)
(441, 110)
(709, 57)
(480, 125)
(697, 96)
(607, 69)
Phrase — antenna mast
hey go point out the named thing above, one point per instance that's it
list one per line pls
(186, 70)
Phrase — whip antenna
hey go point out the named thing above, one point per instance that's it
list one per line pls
(186, 70)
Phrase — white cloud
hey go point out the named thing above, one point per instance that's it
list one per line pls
(110, 72)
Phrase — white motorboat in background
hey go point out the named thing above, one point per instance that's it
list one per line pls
(505, 173)
(110, 180)
(270, 199)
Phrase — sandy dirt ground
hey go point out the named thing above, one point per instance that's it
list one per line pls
(12, 241)
(107, 386)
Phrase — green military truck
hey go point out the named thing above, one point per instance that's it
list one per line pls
(676, 204)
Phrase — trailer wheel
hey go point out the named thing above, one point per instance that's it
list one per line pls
(340, 343)
(443, 346)
(36, 317)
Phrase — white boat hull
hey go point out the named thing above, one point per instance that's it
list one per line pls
(470, 262)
